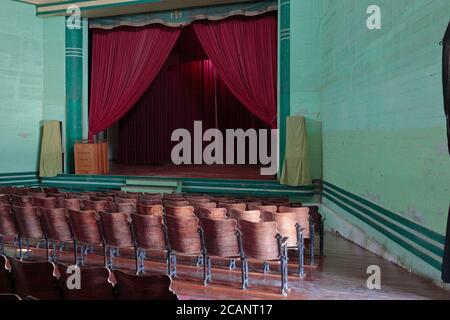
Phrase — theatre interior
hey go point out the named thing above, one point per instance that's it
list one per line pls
(224, 150)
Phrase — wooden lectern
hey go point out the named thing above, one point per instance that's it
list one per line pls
(91, 158)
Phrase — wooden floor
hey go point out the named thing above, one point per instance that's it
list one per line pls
(251, 172)
(341, 274)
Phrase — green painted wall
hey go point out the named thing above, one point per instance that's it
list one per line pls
(54, 68)
(21, 86)
(306, 75)
(379, 98)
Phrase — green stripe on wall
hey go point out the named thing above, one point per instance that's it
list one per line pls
(405, 233)
(408, 223)
(431, 261)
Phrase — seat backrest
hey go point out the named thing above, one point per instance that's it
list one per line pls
(145, 209)
(207, 205)
(37, 279)
(125, 200)
(96, 205)
(56, 224)
(143, 287)
(175, 203)
(183, 234)
(4, 199)
(81, 196)
(286, 222)
(148, 231)
(126, 207)
(72, 204)
(22, 201)
(96, 283)
(7, 226)
(212, 213)
(183, 211)
(5, 276)
(253, 215)
(269, 208)
(253, 205)
(302, 217)
(149, 202)
(220, 237)
(48, 203)
(198, 200)
(260, 240)
(102, 198)
(28, 222)
(231, 206)
(84, 226)
(116, 229)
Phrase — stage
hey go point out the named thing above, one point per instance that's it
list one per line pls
(241, 172)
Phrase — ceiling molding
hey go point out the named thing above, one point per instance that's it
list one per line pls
(107, 8)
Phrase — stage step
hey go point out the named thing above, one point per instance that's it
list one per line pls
(152, 186)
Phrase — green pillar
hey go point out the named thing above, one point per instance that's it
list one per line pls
(74, 93)
(284, 16)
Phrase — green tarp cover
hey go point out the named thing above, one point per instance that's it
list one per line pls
(51, 150)
(296, 163)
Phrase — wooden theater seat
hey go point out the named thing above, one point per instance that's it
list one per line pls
(98, 206)
(126, 207)
(126, 200)
(206, 205)
(269, 208)
(149, 234)
(143, 287)
(116, 234)
(4, 199)
(145, 209)
(184, 238)
(231, 206)
(175, 203)
(253, 205)
(289, 228)
(48, 203)
(56, 227)
(182, 211)
(28, 225)
(22, 201)
(96, 283)
(252, 215)
(212, 213)
(37, 279)
(262, 241)
(221, 239)
(72, 204)
(86, 231)
(6, 285)
(7, 226)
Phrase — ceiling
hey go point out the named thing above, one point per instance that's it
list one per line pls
(105, 8)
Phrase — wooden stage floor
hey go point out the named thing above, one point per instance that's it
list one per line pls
(341, 274)
(251, 172)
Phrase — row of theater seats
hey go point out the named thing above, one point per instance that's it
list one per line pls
(191, 225)
(50, 281)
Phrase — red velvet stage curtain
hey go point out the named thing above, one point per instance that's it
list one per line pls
(181, 94)
(125, 61)
(244, 52)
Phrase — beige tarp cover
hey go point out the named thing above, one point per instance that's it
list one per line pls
(296, 163)
(51, 149)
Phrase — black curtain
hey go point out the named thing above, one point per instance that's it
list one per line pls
(446, 85)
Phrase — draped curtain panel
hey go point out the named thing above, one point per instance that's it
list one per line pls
(244, 52)
(125, 61)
